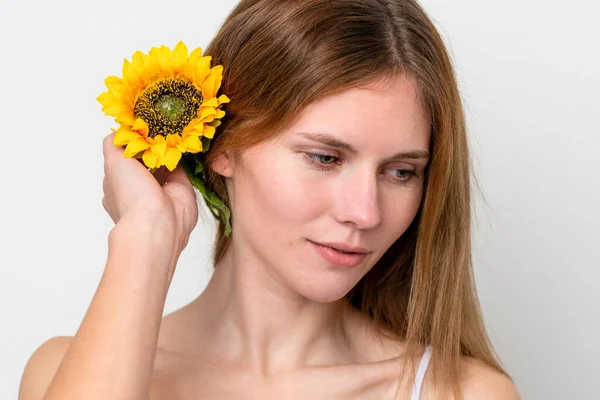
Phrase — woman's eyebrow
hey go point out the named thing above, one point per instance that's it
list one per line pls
(329, 140)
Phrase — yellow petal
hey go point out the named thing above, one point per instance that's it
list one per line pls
(162, 56)
(125, 118)
(208, 87)
(217, 71)
(192, 61)
(124, 135)
(141, 126)
(135, 146)
(220, 114)
(139, 63)
(223, 99)
(195, 54)
(201, 70)
(159, 147)
(115, 109)
(130, 75)
(150, 159)
(211, 85)
(212, 102)
(146, 67)
(107, 99)
(207, 114)
(151, 71)
(180, 56)
(119, 89)
(192, 144)
(112, 79)
(196, 123)
(193, 130)
(171, 158)
(173, 140)
(209, 131)
(158, 139)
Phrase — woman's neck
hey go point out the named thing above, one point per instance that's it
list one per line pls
(251, 317)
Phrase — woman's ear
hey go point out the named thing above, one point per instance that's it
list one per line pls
(223, 164)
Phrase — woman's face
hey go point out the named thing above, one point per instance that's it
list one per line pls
(336, 178)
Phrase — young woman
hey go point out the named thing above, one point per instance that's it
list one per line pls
(348, 275)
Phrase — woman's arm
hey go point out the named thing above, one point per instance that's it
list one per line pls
(112, 353)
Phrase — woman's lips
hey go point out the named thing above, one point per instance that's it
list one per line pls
(334, 257)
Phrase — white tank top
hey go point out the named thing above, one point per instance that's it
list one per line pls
(416, 392)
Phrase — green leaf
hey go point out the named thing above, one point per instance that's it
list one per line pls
(216, 200)
(205, 143)
(199, 168)
(214, 203)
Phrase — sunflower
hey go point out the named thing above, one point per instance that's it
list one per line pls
(166, 104)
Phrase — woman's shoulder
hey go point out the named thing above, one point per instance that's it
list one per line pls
(484, 382)
(42, 366)
(479, 382)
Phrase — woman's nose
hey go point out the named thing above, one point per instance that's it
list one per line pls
(358, 201)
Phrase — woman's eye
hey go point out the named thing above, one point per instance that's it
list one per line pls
(323, 159)
(402, 172)
(403, 175)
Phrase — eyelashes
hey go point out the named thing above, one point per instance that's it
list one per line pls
(319, 160)
(327, 162)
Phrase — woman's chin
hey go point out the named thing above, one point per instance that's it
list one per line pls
(322, 291)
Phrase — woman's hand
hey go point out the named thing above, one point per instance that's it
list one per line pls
(164, 199)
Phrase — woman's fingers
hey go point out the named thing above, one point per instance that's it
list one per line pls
(109, 149)
(178, 175)
(130, 187)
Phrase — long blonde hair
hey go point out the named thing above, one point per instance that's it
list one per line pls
(278, 57)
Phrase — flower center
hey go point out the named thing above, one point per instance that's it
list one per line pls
(168, 105)
(171, 107)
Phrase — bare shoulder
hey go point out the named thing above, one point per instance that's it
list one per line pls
(41, 367)
(479, 382)
(484, 382)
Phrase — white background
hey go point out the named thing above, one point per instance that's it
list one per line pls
(528, 70)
